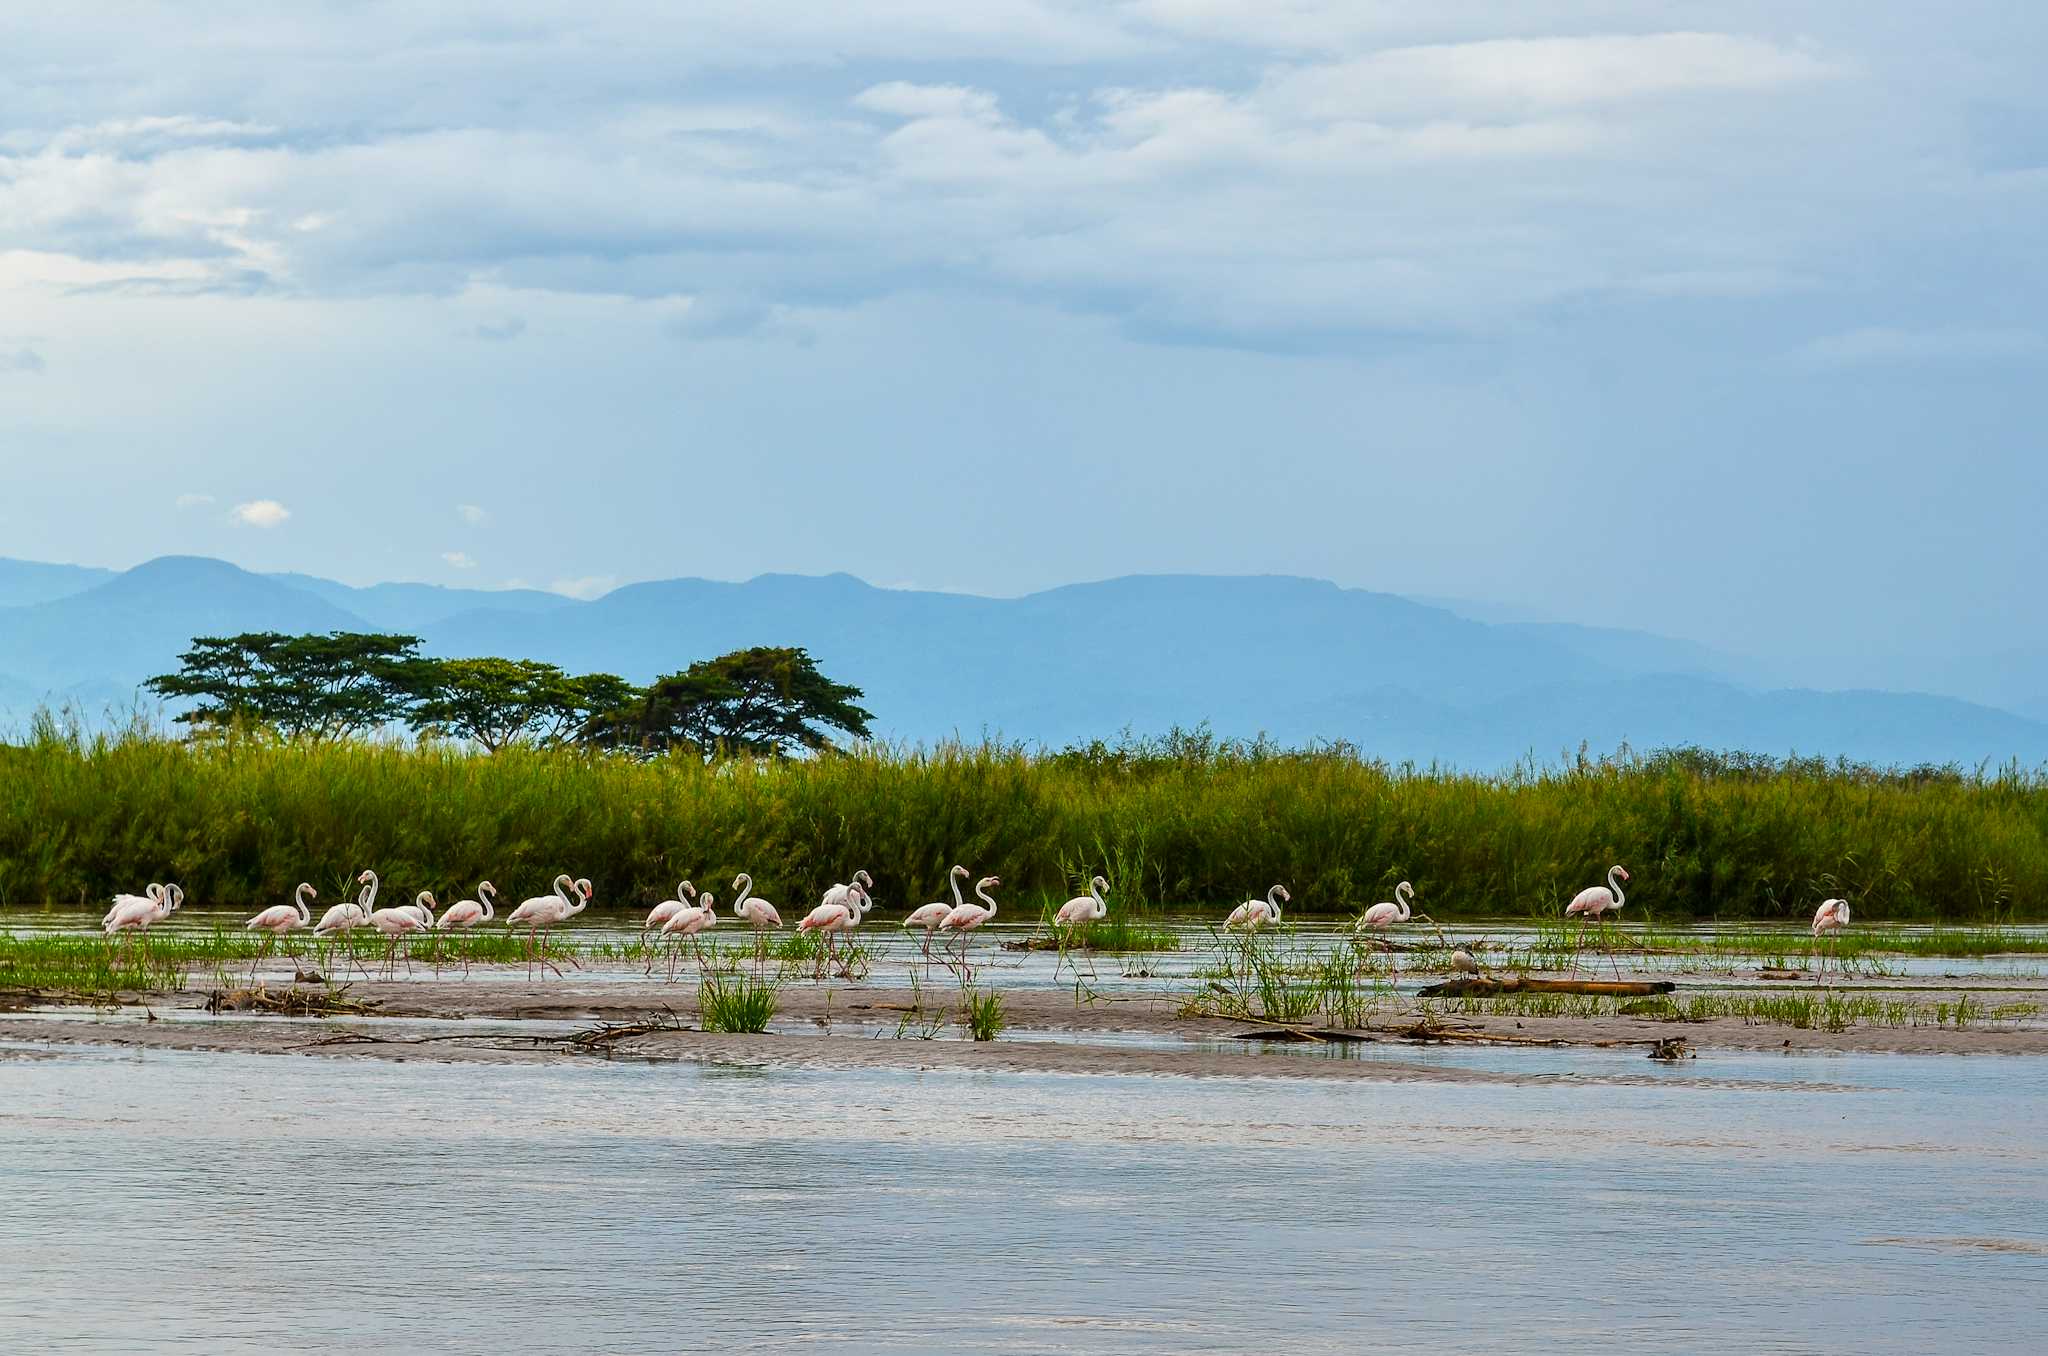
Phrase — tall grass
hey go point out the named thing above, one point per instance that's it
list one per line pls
(1177, 823)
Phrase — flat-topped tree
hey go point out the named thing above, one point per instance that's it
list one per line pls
(312, 686)
(496, 702)
(766, 700)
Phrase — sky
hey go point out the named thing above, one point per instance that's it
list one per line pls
(1723, 321)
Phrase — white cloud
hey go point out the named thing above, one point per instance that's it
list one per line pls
(1881, 345)
(264, 513)
(472, 514)
(460, 560)
(588, 587)
(192, 501)
(22, 360)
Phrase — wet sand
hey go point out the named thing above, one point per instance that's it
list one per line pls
(866, 1026)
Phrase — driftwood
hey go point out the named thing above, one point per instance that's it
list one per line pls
(1479, 986)
(288, 1002)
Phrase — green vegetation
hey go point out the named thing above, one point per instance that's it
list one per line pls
(981, 1012)
(736, 1002)
(1182, 823)
(87, 965)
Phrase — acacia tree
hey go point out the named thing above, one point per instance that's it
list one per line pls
(312, 686)
(766, 700)
(504, 701)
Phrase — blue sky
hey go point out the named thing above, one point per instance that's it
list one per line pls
(1719, 320)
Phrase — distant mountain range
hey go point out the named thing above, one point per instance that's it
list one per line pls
(1297, 659)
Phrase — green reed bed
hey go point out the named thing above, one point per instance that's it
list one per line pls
(1805, 1011)
(88, 965)
(1182, 822)
(736, 1002)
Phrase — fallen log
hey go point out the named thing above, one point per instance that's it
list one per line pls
(1480, 986)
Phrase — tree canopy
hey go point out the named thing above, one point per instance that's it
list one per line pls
(310, 686)
(766, 700)
(505, 701)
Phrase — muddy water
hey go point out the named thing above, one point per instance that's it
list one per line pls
(229, 1202)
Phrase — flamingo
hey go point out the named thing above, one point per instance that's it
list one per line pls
(662, 912)
(1088, 908)
(465, 914)
(687, 923)
(1831, 917)
(862, 884)
(931, 915)
(968, 917)
(1594, 901)
(151, 894)
(133, 914)
(831, 919)
(762, 914)
(279, 919)
(1255, 914)
(401, 921)
(349, 915)
(544, 912)
(1381, 917)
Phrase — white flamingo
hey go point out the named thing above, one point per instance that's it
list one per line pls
(1253, 915)
(1088, 908)
(543, 913)
(686, 923)
(151, 895)
(968, 917)
(465, 914)
(1594, 902)
(1382, 917)
(349, 915)
(658, 917)
(833, 919)
(1831, 917)
(862, 884)
(402, 921)
(760, 913)
(280, 919)
(136, 914)
(930, 916)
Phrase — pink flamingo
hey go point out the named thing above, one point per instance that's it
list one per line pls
(760, 913)
(543, 913)
(968, 917)
(661, 913)
(133, 914)
(1594, 902)
(1382, 917)
(1831, 917)
(402, 921)
(1088, 908)
(465, 914)
(280, 919)
(931, 915)
(686, 923)
(831, 919)
(1253, 915)
(349, 915)
(862, 884)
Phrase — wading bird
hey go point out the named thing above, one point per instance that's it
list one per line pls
(133, 914)
(1463, 961)
(279, 919)
(349, 915)
(658, 916)
(1831, 917)
(1594, 902)
(833, 919)
(1088, 908)
(686, 923)
(465, 914)
(1383, 916)
(400, 921)
(930, 916)
(761, 914)
(543, 913)
(1253, 915)
(968, 917)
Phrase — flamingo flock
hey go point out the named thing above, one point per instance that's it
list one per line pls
(684, 919)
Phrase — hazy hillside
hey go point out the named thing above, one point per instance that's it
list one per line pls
(1297, 659)
(29, 581)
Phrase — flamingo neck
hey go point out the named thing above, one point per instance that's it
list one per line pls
(953, 879)
(985, 897)
(1614, 884)
(299, 903)
(368, 898)
(486, 895)
(1402, 894)
(743, 883)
